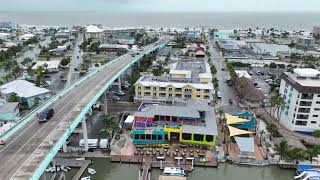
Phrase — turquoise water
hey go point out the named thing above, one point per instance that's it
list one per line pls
(115, 171)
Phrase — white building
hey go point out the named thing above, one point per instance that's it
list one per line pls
(50, 66)
(26, 37)
(301, 93)
(29, 93)
(93, 32)
(305, 42)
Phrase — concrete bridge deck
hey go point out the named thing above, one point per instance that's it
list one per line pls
(31, 144)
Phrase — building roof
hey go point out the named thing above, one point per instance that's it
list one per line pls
(93, 29)
(114, 46)
(241, 73)
(54, 64)
(8, 107)
(306, 72)
(22, 88)
(190, 109)
(247, 89)
(175, 82)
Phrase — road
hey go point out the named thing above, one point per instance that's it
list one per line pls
(27, 148)
(75, 61)
(226, 91)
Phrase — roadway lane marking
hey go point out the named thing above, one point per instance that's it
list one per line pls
(41, 142)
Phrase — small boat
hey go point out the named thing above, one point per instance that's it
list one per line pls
(63, 168)
(312, 174)
(86, 178)
(68, 167)
(174, 171)
(80, 159)
(91, 171)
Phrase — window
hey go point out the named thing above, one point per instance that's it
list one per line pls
(178, 95)
(315, 116)
(162, 94)
(301, 123)
(147, 94)
(209, 138)
(206, 90)
(154, 94)
(186, 136)
(198, 90)
(302, 116)
(307, 96)
(317, 109)
(139, 93)
(178, 90)
(304, 110)
(198, 96)
(142, 136)
(147, 88)
(318, 95)
(313, 122)
(148, 136)
(187, 96)
(306, 103)
(170, 95)
(318, 102)
(162, 89)
(154, 137)
(198, 137)
(139, 87)
(136, 136)
(160, 137)
(206, 97)
(154, 88)
(170, 89)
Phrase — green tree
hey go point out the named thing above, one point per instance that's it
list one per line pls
(282, 149)
(38, 75)
(273, 130)
(14, 98)
(316, 133)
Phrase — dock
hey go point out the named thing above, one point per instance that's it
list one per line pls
(72, 162)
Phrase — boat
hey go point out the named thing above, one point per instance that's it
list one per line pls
(91, 171)
(310, 174)
(174, 171)
(63, 168)
(86, 178)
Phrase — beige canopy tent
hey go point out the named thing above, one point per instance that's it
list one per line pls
(235, 119)
(235, 131)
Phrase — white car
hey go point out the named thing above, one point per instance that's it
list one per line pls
(120, 93)
(116, 98)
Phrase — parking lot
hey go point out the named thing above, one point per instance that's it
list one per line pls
(259, 79)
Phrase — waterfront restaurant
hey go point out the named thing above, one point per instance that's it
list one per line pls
(192, 122)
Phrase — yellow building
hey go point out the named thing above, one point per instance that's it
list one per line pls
(186, 80)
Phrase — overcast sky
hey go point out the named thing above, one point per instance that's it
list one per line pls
(161, 5)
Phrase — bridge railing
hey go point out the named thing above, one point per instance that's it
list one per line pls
(54, 150)
(28, 117)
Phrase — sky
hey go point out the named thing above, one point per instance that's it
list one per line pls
(162, 5)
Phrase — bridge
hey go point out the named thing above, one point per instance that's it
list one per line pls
(31, 146)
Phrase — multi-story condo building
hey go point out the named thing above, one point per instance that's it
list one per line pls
(301, 93)
(186, 80)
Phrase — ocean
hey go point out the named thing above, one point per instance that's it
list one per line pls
(221, 20)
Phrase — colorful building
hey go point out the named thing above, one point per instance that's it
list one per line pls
(191, 122)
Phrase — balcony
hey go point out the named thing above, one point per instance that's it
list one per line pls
(307, 96)
(305, 103)
(302, 116)
(304, 110)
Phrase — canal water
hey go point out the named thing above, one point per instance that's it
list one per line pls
(115, 171)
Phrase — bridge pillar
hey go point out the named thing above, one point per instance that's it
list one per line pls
(64, 147)
(105, 101)
(119, 83)
(85, 134)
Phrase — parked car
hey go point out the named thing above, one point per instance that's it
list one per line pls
(120, 93)
(250, 72)
(45, 115)
(258, 73)
(116, 98)
(124, 86)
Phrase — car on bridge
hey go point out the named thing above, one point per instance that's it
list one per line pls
(45, 115)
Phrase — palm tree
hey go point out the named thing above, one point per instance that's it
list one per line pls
(282, 149)
(39, 75)
(277, 102)
(221, 113)
(273, 130)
